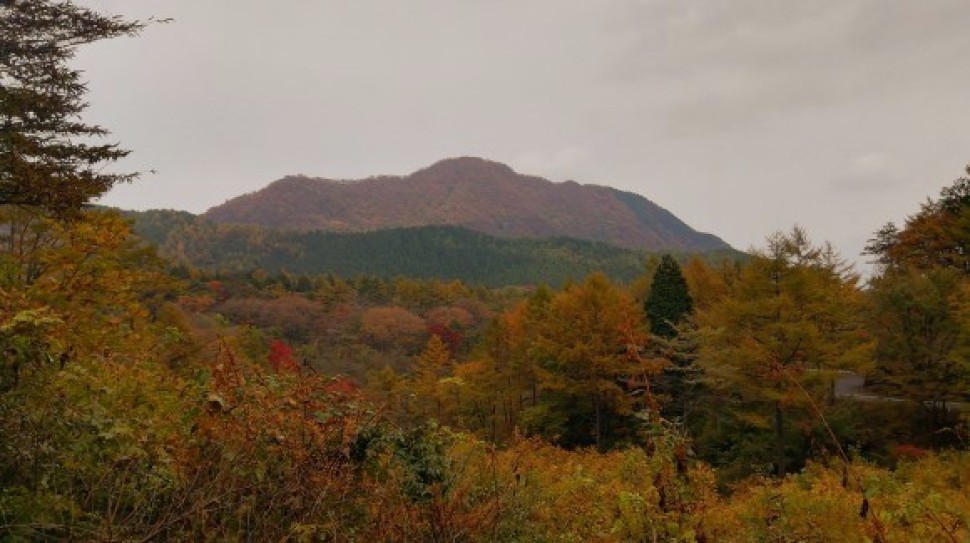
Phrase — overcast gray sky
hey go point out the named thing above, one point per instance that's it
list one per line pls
(742, 117)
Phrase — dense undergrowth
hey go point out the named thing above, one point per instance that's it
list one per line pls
(133, 450)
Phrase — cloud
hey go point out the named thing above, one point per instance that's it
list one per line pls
(873, 171)
(715, 64)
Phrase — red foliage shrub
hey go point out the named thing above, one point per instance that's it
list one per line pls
(281, 357)
(909, 451)
(451, 338)
(342, 386)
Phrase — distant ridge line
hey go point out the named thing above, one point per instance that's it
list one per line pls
(475, 193)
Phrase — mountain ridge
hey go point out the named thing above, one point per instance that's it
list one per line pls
(482, 195)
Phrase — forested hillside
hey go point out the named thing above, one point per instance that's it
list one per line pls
(142, 399)
(434, 252)
(474, 193)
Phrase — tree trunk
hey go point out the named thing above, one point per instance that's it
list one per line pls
(599, 423)
(780, 461)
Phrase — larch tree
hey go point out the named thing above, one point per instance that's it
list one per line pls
(919, 320)
(919, 302)
(430, 367)
(586, 346)
(938, 236)
(708, 284)
(503, 378)
(793, 308)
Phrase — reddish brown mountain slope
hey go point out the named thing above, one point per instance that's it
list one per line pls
(471, 192)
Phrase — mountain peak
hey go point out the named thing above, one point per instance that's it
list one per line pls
(466, 166)
(472, 192)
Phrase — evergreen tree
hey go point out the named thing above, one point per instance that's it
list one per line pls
(47, 158)
(679, 388)
(668, 306)
(669, 302)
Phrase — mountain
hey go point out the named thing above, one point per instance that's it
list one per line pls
(474, 193)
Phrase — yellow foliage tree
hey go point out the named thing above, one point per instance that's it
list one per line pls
(792, 313)
(432, 396)
(586, 352)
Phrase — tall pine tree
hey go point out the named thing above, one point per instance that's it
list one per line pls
(668, 306)
(48, 158)
(669, 302)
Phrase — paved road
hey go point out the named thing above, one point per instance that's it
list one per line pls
(852, 385)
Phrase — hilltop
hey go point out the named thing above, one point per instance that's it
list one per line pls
(473, 193)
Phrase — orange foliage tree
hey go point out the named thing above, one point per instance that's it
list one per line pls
(587, 352)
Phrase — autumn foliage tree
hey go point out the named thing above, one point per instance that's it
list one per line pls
(587, 347)
(281, 357)
(938, 236)
(918, 304)
(393, 327)
(919, 320)
(792, 311)
(502, 377)
(430, 393)
(708, 284)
